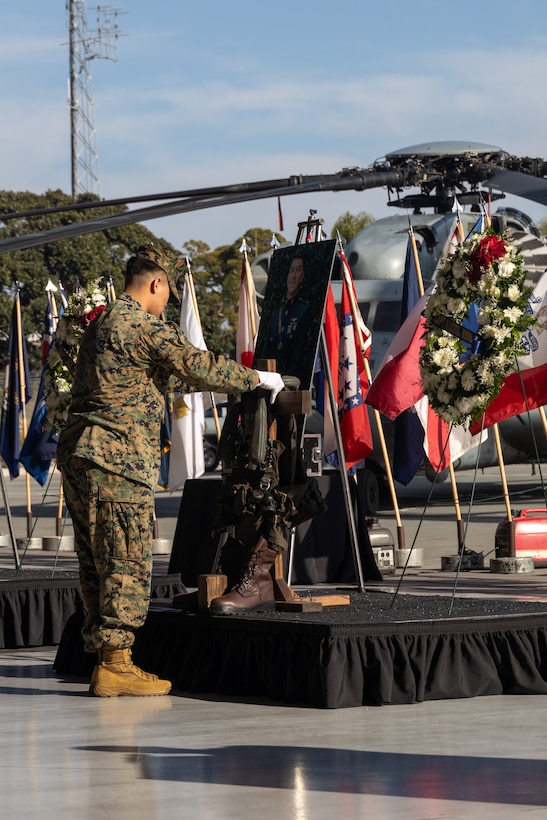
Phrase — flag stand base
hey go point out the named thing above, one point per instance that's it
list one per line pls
(511, 565)
(409, 558)
(465, 562)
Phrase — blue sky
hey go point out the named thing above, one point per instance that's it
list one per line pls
(216, 93)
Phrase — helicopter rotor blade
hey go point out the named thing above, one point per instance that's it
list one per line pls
(191, 193)
(355, 179)
(519, 184)
(194, 194)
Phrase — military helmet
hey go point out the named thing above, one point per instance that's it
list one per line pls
(172, 265)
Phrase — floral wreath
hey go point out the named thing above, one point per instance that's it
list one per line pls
(82, 307)
(463, 368)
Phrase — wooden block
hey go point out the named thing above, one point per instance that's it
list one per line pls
(209, 587)
(311, 603)
(331, 600)
(299, 606)
(283, 592)
(292, 402)
(270, 365)
(278, 566)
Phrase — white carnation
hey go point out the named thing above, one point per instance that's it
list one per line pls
(505, 267)
(513, 314)
(468, 379)
(455, 307)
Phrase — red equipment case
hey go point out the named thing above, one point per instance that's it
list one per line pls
(530, 528)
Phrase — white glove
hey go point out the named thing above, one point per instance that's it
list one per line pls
(272, 382)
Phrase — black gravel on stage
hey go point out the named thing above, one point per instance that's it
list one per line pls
(384, 607)
(365, 607)
(36, 575)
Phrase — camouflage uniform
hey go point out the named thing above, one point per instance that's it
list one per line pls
(109, 454)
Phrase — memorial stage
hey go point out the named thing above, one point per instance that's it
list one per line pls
(367, 653)
(377, 650)
(374, 651)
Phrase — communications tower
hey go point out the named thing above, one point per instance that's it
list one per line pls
(86, 45)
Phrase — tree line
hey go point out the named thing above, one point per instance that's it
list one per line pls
(77, 261)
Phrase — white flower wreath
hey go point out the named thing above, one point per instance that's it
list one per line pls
(83, 306)
(462, 370)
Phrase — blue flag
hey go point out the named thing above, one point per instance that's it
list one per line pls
(478, 227)
(40, 445)
(12, 404)
(408, 441)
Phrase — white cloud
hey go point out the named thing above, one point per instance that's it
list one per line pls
(179, 130)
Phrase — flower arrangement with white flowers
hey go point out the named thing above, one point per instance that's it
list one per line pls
(460, 380)
(83, 306)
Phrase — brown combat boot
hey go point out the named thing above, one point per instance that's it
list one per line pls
(255, 591)
(116, 675)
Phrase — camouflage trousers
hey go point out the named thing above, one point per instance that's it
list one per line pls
(113, 525)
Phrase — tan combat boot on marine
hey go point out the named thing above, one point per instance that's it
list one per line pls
(116, 675)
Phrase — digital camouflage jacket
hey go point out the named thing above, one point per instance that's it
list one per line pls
(127, 360)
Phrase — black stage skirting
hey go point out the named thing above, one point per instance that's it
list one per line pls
(344, 656)
(35, 607)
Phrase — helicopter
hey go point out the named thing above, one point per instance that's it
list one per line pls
(376, 256)
(438, 175)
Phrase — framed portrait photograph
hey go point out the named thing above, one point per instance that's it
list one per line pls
(292, 312)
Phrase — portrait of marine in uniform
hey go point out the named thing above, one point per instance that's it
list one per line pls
(293, 307)
(286, 331)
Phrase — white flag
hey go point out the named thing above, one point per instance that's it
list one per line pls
(247, 317)
(186, 454)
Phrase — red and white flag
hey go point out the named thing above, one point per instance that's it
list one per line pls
(398, 384)
(332, 341)
(444, 443)
(352, 384)
(247, 316)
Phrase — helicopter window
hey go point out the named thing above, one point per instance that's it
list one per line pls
(364, 307)
(388, 317)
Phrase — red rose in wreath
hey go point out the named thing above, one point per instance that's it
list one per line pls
(88, 317)
(487, 251)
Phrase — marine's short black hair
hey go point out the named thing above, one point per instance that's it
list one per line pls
(138, 266)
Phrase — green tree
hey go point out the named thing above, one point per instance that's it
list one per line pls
(81, 259)
(542, 226)
(349, 225)
(104, 254)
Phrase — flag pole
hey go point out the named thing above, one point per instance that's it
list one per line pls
(453, 484)
(190, 280)
(342, 459)
(110, 289)
(357, 319)
(50, 292)
(248, 275)
(22, 393)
